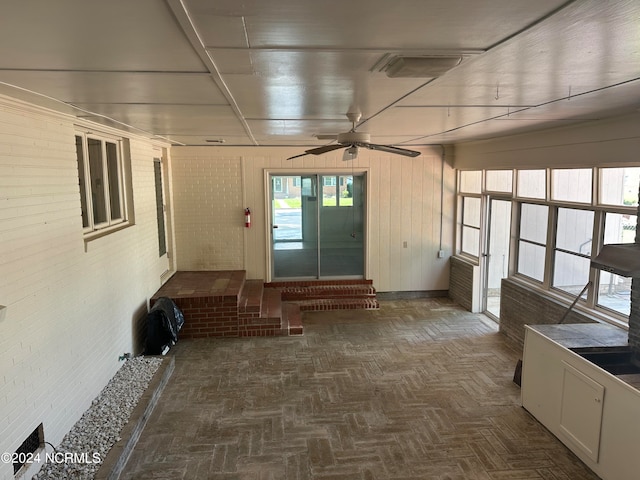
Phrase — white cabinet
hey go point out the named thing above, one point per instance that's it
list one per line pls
(594, 413)
(581, 410)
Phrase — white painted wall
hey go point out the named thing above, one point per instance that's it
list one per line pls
(404, 206)
(209, 218)
(70, 310)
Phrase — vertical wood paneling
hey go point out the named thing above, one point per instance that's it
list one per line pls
(401, 208)
(419, 241)
(383, 224)
(614, 140)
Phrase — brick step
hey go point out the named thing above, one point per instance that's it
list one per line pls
(226, 304)
(312, 283)
(251, 297)
(266, 322)
(291, 319)
(314, 292)
(316, 305)
(271, 303)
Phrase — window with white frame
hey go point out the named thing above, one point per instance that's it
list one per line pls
(101, 181)
(589, 207)
(571, 185)
(160, 214)
(471, 226)
(532, 240)
(470, 187)
(614, 291)
(619, 186)
(499, 181)
(532, 184)
(573, 240)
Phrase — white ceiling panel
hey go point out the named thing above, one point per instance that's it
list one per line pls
(369, 23)
(302, 84)
(169, 120)
(278, 72)
(119, 87)
(139, 35)
(416, 122)
(585, 47)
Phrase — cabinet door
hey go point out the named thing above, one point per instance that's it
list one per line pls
(581, 411)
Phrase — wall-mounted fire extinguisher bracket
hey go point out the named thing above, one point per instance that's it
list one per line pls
(247, 218)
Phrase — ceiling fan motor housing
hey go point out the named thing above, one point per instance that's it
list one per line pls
(349, 138)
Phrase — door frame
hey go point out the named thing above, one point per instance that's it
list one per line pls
(486, 244)
(352, 170)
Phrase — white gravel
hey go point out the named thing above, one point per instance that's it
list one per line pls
(99, 428)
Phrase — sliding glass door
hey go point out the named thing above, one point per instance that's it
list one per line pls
(317, 226)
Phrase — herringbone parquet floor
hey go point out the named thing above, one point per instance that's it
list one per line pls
(420, 389)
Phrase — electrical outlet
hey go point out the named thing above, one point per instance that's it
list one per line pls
(404, 244)
(440, 253)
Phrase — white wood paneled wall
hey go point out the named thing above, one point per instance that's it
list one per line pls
(404, 205)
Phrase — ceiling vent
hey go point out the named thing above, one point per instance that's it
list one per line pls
(421, 66)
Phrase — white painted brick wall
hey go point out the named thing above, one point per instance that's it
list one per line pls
(209, 218)
(70, 310)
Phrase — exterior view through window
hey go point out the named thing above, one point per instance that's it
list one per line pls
(562, 218)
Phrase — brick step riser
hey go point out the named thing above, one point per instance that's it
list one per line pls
(263, 321)
(319, 306)
(319, 283)
(342, 296)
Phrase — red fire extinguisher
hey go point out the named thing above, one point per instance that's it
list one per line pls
(247, 217)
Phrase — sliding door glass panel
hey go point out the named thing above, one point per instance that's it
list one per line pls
(294, 207)
(342, 226)
(318, 226)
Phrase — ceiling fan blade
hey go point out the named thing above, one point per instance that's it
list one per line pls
(325, 149)
(297, 156)
(390, 149)
(319, 150)
(326, 136)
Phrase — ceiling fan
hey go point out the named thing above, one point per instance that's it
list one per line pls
(351, 141)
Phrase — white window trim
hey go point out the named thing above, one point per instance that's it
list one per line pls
(590, 307)
(97, 230)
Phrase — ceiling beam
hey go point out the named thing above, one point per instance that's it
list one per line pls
(181, 14)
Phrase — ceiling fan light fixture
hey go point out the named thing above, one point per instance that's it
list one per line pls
(421, 67)
(350, 153)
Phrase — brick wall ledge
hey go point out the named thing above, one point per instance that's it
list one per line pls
(595, 316)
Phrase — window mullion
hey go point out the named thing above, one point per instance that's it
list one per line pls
(106, 181)
(120, 181)
(596, 245)
(552, 225)
(87, 185)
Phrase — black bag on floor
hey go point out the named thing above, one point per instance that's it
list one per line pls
(164, 321)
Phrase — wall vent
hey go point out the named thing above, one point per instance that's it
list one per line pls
(28, 447)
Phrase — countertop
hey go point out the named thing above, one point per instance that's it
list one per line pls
(579, 335)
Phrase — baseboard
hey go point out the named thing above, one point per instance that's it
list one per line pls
(412, 295)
